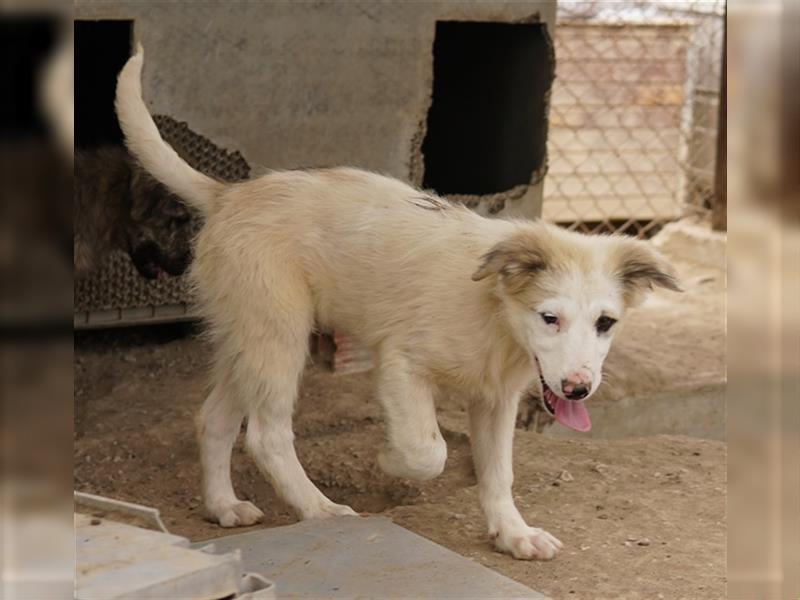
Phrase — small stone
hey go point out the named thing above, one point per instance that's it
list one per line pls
(643, 542)
(630, 538)
(95, 521)
(459, 516)
(566, 476)
(129, 358)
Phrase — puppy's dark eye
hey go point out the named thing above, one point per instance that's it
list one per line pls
(604, 323)
(549, 318)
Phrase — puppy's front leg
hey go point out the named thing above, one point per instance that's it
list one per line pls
(492, 437)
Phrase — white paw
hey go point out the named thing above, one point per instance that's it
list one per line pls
(529, 543)
(235, 514)
(328, 510)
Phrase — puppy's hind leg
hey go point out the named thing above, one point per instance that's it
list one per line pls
(415, 448)
(218, 426)
(270, 369)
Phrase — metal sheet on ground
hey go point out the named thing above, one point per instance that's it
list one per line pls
(349, 557)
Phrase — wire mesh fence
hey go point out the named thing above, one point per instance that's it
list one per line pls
(633, 115)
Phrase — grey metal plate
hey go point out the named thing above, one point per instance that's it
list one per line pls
(371, 557)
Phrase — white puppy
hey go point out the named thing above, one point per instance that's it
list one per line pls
(440, 294)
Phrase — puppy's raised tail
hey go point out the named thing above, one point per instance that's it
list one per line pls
(148, 147)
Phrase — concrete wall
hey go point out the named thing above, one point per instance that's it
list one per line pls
(307, 84)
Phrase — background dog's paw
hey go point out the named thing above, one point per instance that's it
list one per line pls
(532, 543)
(237, 514)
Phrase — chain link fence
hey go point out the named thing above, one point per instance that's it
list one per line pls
(633, 115)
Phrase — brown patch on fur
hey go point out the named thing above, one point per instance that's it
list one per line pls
(524, 260)
(118, 206)
(530, 262)
(639, 268)
(513, 258)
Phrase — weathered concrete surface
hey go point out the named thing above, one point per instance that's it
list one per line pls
(352, 557)
(305, 84)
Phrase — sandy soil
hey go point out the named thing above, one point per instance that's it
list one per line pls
(640, 518)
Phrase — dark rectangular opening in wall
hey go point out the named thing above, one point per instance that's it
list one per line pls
(26, 43)
(487, 122)
(101, 50)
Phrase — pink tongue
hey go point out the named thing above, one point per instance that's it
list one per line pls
(573, 415)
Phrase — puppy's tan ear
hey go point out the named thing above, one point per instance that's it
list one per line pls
(521, 254)
(639, 268)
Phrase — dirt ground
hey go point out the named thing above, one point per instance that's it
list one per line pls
(640, 518)
(641, 514)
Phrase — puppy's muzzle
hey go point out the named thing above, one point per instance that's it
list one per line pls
(576, 386)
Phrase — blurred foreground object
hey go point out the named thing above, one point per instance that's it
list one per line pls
(35, 180)
(35, 296)
(764, 287)
(119, 559)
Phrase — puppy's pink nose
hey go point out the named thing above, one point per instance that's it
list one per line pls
(577, 384)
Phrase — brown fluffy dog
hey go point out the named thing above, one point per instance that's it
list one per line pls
(118, 206)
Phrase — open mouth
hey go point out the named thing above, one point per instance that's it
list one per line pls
(549, 399)
(151, 270)
(153, 263)
(157, 271)
(570, 413)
